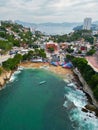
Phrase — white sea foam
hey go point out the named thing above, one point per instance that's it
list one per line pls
(77, 97)
(80, 119)
(70, 84)
(44, 67)
(14, 75)
(20, 68)
(86, 121)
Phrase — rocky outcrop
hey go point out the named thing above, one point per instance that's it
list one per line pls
(86, 88)
(5, 76)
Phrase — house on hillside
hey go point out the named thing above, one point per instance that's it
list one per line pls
(52, 47)
(63, 46)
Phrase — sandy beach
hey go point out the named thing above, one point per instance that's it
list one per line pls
(62, 72)
(57, 70)
(66, 74)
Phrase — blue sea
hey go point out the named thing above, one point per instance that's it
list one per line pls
(53, 30)
(25, 104)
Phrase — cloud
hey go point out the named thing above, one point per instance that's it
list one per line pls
(48, 10)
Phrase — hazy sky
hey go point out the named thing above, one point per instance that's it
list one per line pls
(40, 11)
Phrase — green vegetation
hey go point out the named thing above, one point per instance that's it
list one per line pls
(34, 54)
(18, 35)
(10, 24)
(1, 70)
(90, 76)
(14, 35)
(77, 35)
(12, 63)
(5, 45)
(51, 49)
(2, 34)
(59, 38)
(42, 53)
(70, 50)
(91, 52)
(81, 34)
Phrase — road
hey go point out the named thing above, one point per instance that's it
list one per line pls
(92, 61)
(5, 57)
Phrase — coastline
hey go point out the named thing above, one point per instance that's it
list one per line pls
(92, 102)
(62, 72)
(68, 76)
(4, 77)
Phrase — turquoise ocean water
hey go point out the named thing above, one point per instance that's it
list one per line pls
(26, 105)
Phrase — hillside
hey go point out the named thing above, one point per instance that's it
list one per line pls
(13, 34)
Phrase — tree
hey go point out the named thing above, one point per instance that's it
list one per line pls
(42, 53)
(91, 52)
(17, 58)
(51, 49)
(5, 45)
(88, 73)
(16, 43)
(1, 70)
(30, 55)
(9, 64)
(80, 63)
(94, 81)
(25, 57)
(12, 64)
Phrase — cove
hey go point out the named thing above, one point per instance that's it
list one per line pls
(26, 105)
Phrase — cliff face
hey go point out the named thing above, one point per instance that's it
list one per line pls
(86, 88)
(4, 77)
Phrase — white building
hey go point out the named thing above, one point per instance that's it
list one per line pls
(87, 24)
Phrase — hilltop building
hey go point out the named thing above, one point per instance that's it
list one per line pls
(52, 45)
(87, 24)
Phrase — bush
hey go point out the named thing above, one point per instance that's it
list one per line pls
(1, 70)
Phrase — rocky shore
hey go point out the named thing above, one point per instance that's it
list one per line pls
(67, 74)
(4, 77)
(92, 103)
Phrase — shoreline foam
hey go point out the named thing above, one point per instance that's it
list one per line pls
(57, 70)
(67, 74)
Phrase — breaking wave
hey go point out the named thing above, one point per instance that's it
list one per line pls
(75, 100)
(14, 75)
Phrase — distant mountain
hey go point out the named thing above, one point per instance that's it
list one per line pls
(78, 28)
(26, 24)
(66, 24)
(56, 28)
(94, 26)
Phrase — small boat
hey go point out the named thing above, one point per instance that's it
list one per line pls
(42, 82)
